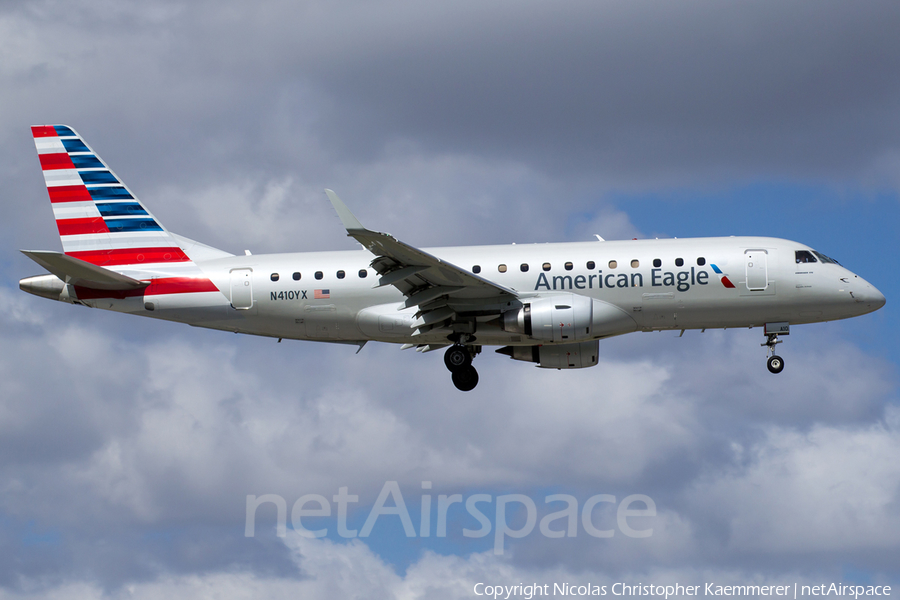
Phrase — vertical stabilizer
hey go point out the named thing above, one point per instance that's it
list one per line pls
(99, 219)
(101, 222)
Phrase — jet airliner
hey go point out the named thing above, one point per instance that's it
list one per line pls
(548, 304)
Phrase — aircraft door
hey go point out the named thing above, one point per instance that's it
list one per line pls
(757, 270)
(242, 288)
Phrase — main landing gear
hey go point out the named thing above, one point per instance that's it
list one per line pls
(458, 359)
(775, 362)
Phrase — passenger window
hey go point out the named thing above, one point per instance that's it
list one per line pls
(635, 264)
(523, 267)
(545, 266)
(341, 274)
(274, 277)
(476, 269)
(657, 263)
(501, 268)
(569, 266)
(590, 265)
(296, 276)
(319, 275)
(804, 256)
(613, 264)
(701, 261)
(363, 273)
(679, 262)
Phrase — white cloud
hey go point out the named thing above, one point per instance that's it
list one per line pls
(427, 201)
(827, 489)
(19, 309)
(351, 570)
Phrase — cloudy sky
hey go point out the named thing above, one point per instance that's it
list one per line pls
(128, 447)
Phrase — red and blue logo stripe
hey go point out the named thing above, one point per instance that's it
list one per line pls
(722, 276)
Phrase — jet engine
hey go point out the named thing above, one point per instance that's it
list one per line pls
(567, 318)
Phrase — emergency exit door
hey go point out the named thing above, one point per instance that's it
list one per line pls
(242, 288)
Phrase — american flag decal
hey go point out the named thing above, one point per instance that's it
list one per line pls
(319, 294)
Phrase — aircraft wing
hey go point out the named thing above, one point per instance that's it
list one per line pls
(441, 290)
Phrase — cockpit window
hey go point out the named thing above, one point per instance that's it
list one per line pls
(825, 259)
(804, 256)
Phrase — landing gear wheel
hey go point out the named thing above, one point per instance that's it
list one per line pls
(775, 364)
(457, 357)
(465, 379)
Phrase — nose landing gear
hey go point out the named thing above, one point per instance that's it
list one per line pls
(458, 359)
(775, 362)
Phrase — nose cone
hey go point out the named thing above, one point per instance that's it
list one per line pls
(869, 296)
(877, 300)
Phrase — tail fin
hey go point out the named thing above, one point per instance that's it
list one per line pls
(100, 221)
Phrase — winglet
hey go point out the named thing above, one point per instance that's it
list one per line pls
(350, 222)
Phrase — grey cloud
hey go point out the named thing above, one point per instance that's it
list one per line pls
(632, 95)
(644, 88)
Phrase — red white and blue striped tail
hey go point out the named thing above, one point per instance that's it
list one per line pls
(100, 220)
(102, 223)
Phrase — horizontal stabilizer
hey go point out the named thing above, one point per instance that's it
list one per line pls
(81, 273)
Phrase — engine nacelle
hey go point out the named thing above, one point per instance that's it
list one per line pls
(557, 318)
(558, 356)
(567, 318)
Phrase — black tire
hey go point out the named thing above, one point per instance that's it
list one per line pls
(465, 379)
(457, 357)
(775, 364)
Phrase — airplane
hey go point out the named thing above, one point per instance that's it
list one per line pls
(547, 304)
